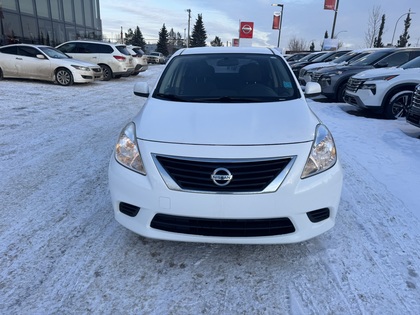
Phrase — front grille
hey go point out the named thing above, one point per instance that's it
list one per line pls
(247, 176)
(354, 84)
(416, 97)
(316, 77)
(350, 99)
(96, 69)
(223, 227)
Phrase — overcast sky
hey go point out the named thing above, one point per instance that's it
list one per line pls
(303, 19)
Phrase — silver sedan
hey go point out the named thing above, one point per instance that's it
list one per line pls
(46, 63)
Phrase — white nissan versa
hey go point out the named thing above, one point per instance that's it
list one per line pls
(226, 150)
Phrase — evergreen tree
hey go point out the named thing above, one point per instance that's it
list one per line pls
(378, 40)
(312, 48)
(138, 39)
(199, 35)
(326, 34)
(162, 44)
(402, 42)
(216, 42)
(128, 37)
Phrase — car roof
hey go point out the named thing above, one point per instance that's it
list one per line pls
(227, 50)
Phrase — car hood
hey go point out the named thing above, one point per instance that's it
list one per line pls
(227, 123)
(378, 72)
(76, 62)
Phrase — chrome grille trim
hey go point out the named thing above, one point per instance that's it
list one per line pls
(354, 84)
(271, 187)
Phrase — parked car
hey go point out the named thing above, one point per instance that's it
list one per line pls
(333, 80)
(41, 62)
(413, 114)
(387, 91)
(140, 59)
(329, 56)
(295, 56)
(308, 57)
(226, 150)
(156, 57)
(114, 59)
(305, 74)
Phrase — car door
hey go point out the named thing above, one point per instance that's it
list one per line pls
(30, 66)
(8, 58)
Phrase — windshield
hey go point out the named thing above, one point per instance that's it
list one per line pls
(53, 53)
(415, 63)
(371, 58)
(227, 78)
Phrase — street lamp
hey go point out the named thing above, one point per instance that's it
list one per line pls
(281, 20)
(395, 28)
(336, 36)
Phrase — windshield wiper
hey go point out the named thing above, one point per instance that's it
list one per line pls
(171, 97)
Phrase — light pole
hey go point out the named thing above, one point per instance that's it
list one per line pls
(336, 36)
(281, 20)
(189, 19)
(395, 28)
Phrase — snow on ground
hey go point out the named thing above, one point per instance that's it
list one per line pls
(62, 252)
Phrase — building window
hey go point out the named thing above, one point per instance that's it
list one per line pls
(59, 35)
(9, 4)
(78, 8)
(30, 27)
(88, 14)
(42, 8)
(45, 32)
(68, 11)
(55, 10)
(27, 6)
(12, 29)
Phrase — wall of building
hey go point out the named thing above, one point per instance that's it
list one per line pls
(49, 22)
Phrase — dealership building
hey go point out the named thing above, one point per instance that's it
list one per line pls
(49, 22)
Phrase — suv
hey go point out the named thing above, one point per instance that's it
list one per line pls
(140, 59)
(114, 59)
(413, 114)
(387, 90)
(156, 57)
(333, 80)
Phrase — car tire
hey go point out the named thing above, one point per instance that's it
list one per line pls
(398, 105)
(341, 92)
(1, 74)
(107, 73)
(63, 77)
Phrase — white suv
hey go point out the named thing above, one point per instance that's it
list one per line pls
(139, 58)
(156, 57)
(387, 90)
(114, 59)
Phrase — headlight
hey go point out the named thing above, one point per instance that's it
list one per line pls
(81, 68)
(383, 77)
(126, 150)
(323, 153)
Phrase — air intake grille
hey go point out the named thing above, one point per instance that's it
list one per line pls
(316, 77)
(247, 176)
(223, 228)
(354, 84)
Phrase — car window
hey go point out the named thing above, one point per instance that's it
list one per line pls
(53, 53)
(395, 59)
(28, 51)
(415, 63)
(68, 48)
(227, 78)
(9, 50)
(370, 59)
(123, 50)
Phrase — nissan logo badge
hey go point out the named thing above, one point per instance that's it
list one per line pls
(221, 176)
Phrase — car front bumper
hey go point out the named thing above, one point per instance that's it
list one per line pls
(293, 200)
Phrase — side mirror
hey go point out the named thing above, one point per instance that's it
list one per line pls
(312, 89)
(381, 65)
(141, 89)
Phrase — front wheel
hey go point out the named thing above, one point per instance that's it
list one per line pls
(64, 77)
(107, 73)
(341, 93)
(398, 105)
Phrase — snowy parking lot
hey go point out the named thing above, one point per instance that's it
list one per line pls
(62, 252)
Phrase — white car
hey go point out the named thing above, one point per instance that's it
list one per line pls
(139, 58)
(226, 150)
(114, 59)
(387, 91)
(42, 62)
(156, 57)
